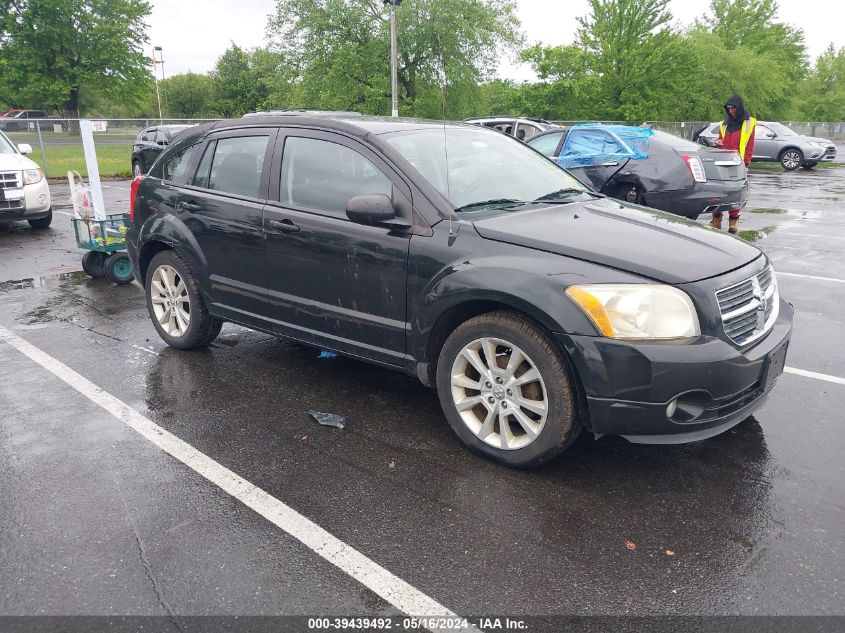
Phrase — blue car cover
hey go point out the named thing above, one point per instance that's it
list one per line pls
(592, 144)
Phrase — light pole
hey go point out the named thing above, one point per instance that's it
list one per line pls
(394, 81)
(158, 94)
(160, 52)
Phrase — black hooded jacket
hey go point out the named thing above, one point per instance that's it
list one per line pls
(733, 124)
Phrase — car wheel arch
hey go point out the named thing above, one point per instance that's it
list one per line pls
(155, 244)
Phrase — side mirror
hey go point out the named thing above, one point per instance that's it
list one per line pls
(372, 209)
(771, 135)
(25, 148)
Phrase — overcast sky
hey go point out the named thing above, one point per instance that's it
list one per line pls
(194, 33)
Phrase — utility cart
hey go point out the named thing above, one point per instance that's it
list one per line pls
(105, 245)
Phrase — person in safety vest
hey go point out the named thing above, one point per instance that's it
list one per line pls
(735, 132)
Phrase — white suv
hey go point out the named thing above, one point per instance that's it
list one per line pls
(24, 194)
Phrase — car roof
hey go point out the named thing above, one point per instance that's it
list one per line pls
(358, 125)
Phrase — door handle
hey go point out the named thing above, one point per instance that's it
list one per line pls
(193, 207)
(610, 164)
(285, 226)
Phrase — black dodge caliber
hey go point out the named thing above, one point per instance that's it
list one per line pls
(534, 305)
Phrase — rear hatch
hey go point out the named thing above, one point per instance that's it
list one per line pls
(722, 164)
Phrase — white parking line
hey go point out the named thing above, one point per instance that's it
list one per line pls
(377, 579)
(780, 273)
(816, 375)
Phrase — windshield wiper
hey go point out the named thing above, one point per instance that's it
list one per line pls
(561, 195)
(495, 203)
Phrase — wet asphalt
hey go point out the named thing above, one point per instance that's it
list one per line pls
(96, 520)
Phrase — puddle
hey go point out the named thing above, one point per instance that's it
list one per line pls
(75, 278)
(754, 235)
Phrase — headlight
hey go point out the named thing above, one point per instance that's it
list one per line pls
(637, 311)
(817, 144)
(32, 176)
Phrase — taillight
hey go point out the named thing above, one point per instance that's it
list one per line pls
(696, 168)
(133, 193)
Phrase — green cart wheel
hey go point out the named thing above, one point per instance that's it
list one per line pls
(94, 263)
(119, 269)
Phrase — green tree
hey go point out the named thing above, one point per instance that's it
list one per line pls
(56, 51)
(752, 25)
(245, 80)
(633, 51)
(339, 52)
(189, 96)
(824, 91)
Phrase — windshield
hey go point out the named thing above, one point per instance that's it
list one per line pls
(475, 165)
(6, 146)
(781, 130)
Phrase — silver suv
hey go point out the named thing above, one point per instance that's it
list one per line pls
(522, 128)
(775, 142)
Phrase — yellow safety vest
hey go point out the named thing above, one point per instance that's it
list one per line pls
(745, 133)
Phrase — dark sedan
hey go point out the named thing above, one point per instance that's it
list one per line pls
(669, 173)
(457, 254)
(149, 144)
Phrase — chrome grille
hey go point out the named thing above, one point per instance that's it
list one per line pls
(749, 308)
(11, 180)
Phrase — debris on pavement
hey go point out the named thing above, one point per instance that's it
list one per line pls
(324, 353)
(670, 552)
(630, 545)
(329, 419)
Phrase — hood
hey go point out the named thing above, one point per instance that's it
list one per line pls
(16, 162)
(658, 245)
(816, 139)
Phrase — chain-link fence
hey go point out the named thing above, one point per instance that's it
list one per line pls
(57, 144)
(686, 129)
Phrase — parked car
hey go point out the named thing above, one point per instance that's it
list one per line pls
(149, 144)
(534, 305)
(774, 142)
(22, 120)
(521, 128)
(673, 174)
(24, 193)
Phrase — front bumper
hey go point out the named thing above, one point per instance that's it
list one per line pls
(631, 385)
(34, 205)
(705, 197)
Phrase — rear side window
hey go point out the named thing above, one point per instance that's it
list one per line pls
(323, 176)
(201, 178)
(547, 145)
(148, 135)
(161, 137)
(176, 167)
(236, 165)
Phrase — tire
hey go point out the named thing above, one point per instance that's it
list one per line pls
(189, 327)
(499, 398)
(808, 166)
(94, 264)
(42, 223)
(791, 159)
(119, 269)
(137, 169)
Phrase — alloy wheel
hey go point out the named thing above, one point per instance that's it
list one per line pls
(499, 393)
(170, 300)
(791, 160)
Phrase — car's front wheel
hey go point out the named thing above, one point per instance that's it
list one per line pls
(175, 304)
(506, 390)
(791, 159)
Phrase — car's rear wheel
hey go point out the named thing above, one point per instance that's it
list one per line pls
(175, 304)
(791, 159)
(808, 165)
(42, 223)
(137, 170)
(506, 390)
